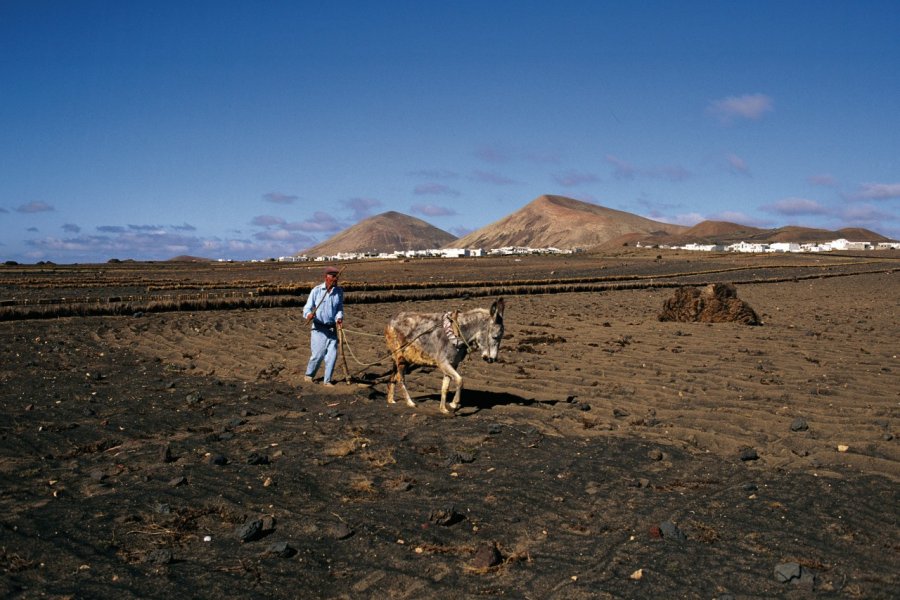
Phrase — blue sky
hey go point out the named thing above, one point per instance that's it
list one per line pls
(227, 129)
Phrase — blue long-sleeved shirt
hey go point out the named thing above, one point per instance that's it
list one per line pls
(330, 305)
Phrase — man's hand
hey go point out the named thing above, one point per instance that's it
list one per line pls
(310, 317)
(340, 323)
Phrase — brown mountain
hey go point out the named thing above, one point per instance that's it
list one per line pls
(722, 232)
(387, 232)
(560, 222)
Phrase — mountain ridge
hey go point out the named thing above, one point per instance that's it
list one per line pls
(564, 223)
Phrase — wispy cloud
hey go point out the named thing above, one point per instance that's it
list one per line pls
(877, 191)
(435, 174)
(870, 217)
(155, 242)
(279, 198)
(737, 165)
(749, 106)
(493, 154)
(267, 221)
(574, 178)
(492, 178)
(3, 210)
(795, 206)
(432, 210)
(361, 207)
(320, 222)
(434, 189)
(624, 170)
(823, 180)
(621, 169)
(34, 207)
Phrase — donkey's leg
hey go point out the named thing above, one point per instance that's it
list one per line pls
(450, 373)
(401, 379)
(390, 388)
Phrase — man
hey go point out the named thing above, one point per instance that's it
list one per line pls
(324, 310)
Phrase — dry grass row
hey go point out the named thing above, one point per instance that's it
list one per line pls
(250, 300)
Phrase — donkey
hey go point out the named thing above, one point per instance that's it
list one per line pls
(442, 340)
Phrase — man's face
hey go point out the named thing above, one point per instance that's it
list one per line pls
(331, 279)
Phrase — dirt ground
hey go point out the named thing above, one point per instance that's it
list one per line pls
(606, 455)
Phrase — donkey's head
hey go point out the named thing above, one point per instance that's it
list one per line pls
(492, 332)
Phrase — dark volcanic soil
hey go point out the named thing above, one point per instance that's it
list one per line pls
(129, 472)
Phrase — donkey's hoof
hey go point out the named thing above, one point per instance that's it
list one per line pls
(411, 404)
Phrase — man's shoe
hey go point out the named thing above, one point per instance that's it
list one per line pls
(328, 384)
(307, 379)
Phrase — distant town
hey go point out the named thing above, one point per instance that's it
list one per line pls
(750, 247)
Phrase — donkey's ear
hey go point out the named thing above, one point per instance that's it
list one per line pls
(497, 307)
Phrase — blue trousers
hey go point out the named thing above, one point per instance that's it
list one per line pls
(323, 346)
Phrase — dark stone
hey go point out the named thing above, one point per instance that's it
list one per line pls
(495, 428)
(180, 480)
(249, 531)
(257, 459)
(280, 549)
(799, 424)
(749, 454)
(486, 556)
(670, 531)
(341, 531)
(655, 454)
(165, 454)
(445, 516)
(160, 556)
(786, 572)
(218, 459)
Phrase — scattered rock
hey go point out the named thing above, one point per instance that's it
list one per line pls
(165, 454)
(749, 454)
(670, 531)
(495, 428)
(620, 413)
(842, 447)
(160, 556)
(193, 397)
(655, 454)
(486, 556)
(268, 523)
(459, 457)
(257, 459)
(445, 516)
(280, 550)
(218, 459)
(250, 530)
(98, 475)
(340, 531)
(180, 480)
(785, 572)
(799, 424)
